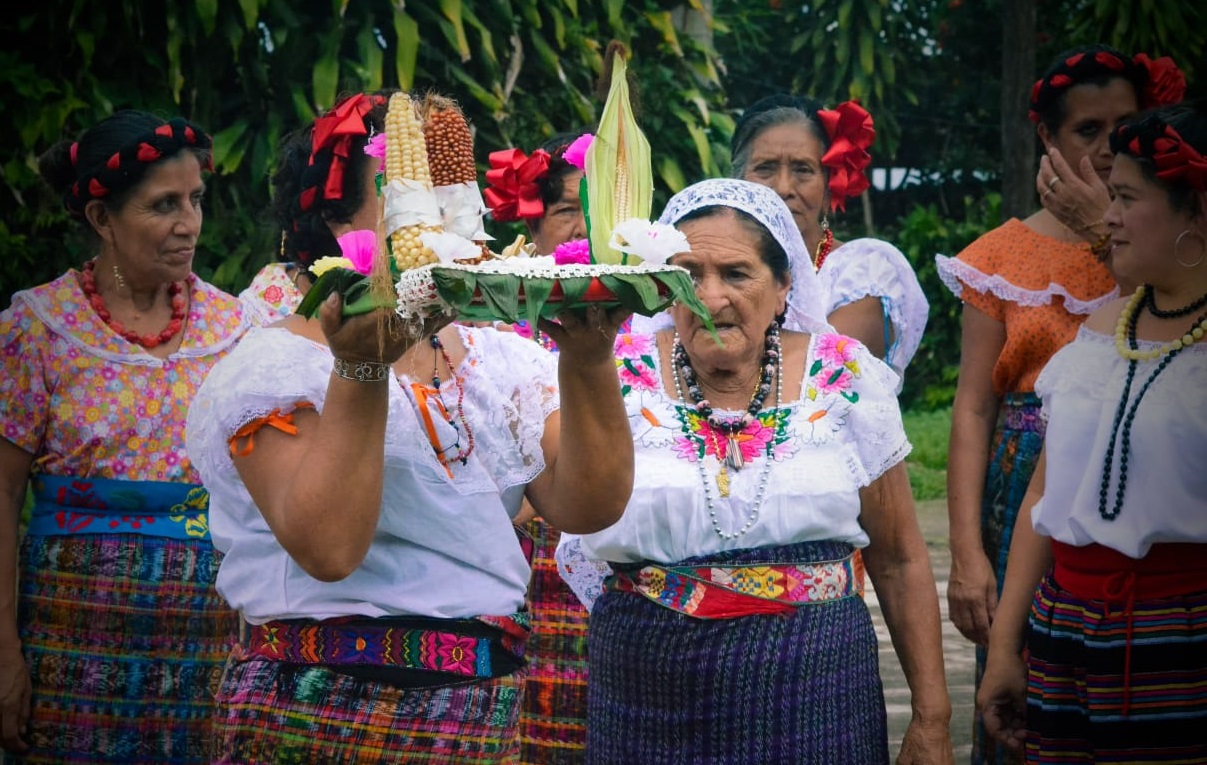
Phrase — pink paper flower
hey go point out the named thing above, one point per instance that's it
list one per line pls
(574, 251)
(376, 147)
(576, 152)
(359, 247)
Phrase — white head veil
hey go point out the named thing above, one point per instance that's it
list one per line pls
(806, 306)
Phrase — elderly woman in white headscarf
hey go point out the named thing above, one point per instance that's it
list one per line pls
(732, 628)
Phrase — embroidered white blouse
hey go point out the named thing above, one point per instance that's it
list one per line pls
(445, 547)
(841, 435)
(871, 267)
(1166, 493)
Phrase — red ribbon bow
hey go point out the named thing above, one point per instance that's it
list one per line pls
(1177, 160)
(1166, 83)
(850, 129)
(513, 191)
(335, 130)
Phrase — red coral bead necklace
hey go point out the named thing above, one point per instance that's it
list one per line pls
(175, 293)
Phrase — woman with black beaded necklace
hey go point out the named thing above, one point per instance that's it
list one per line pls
(1110, 550)
(766, 453)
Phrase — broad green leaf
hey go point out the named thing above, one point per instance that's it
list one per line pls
(867, 51)
(661, 21)
(844, 14)
(536, 293)
(498, 292)
(406, 31)
(251, 12)
(325, 74)
(573, 288)
(227, 143)
(671, 174)
(207, 12)
(452, 11)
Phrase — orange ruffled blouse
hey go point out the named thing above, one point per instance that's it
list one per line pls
(1040, 288)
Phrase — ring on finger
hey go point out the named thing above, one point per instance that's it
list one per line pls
(1046, 193)
(1052, 183)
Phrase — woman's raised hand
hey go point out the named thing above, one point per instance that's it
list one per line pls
(587, 335)
(380, 336)
(1076, 197)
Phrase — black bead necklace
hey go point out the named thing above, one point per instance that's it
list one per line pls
(771, 353)
(1124, 417)
(1150, 302)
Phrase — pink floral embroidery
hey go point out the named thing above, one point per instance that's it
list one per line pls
(634, 346)
(833, 380)
(835, 350)
(635, 375)
(752, 440)
(456, 653)
(274, 294)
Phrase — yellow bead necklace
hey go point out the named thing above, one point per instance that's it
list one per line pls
(1192, 336)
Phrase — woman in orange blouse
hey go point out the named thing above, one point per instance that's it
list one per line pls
(1027, 286)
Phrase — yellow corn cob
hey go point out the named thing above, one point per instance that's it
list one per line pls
(406, 158)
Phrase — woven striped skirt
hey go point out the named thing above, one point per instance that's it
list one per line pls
(801, 688)
(299, 714)
(553, 723)
(1012, 458)
(1111, 684)
(125, 637)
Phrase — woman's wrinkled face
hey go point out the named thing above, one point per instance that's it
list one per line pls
(734, 283)
(787, 158)
(1145, 229)
(154, 235)
(1091, 114)
(563, 220)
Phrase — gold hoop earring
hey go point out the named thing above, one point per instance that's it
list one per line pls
(1178, 243)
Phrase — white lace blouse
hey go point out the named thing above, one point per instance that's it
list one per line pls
(444, 547)
(871, 267)
(1166, 493)
(842, 434)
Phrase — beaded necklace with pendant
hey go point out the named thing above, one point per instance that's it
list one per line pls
(773, 358)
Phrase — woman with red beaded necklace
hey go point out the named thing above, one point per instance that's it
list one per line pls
(1098, 649)
(116, 635)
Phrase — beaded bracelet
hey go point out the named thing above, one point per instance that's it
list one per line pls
(361, 371)
(1100, 246)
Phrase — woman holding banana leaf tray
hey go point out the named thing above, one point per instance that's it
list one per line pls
(364, 472)
(733, 629)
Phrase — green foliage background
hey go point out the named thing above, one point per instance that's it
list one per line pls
(250, 71)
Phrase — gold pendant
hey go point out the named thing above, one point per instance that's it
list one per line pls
(723, 481)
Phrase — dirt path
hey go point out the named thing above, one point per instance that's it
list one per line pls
(958, 653)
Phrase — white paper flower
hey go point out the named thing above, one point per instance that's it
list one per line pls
(652, 242)
(449, 247)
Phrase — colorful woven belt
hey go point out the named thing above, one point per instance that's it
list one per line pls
(378, 642)
(71, 505)
(726, 592)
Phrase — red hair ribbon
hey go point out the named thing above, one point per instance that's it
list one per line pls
(851, 132)
(1177, 160)
(335, 130)
(513, 190)
(1165, 85)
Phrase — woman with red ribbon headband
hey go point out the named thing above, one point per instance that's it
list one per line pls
(816, 159)
(113, 630)
(1098, 650)
(1027, 286)
(323, 178)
